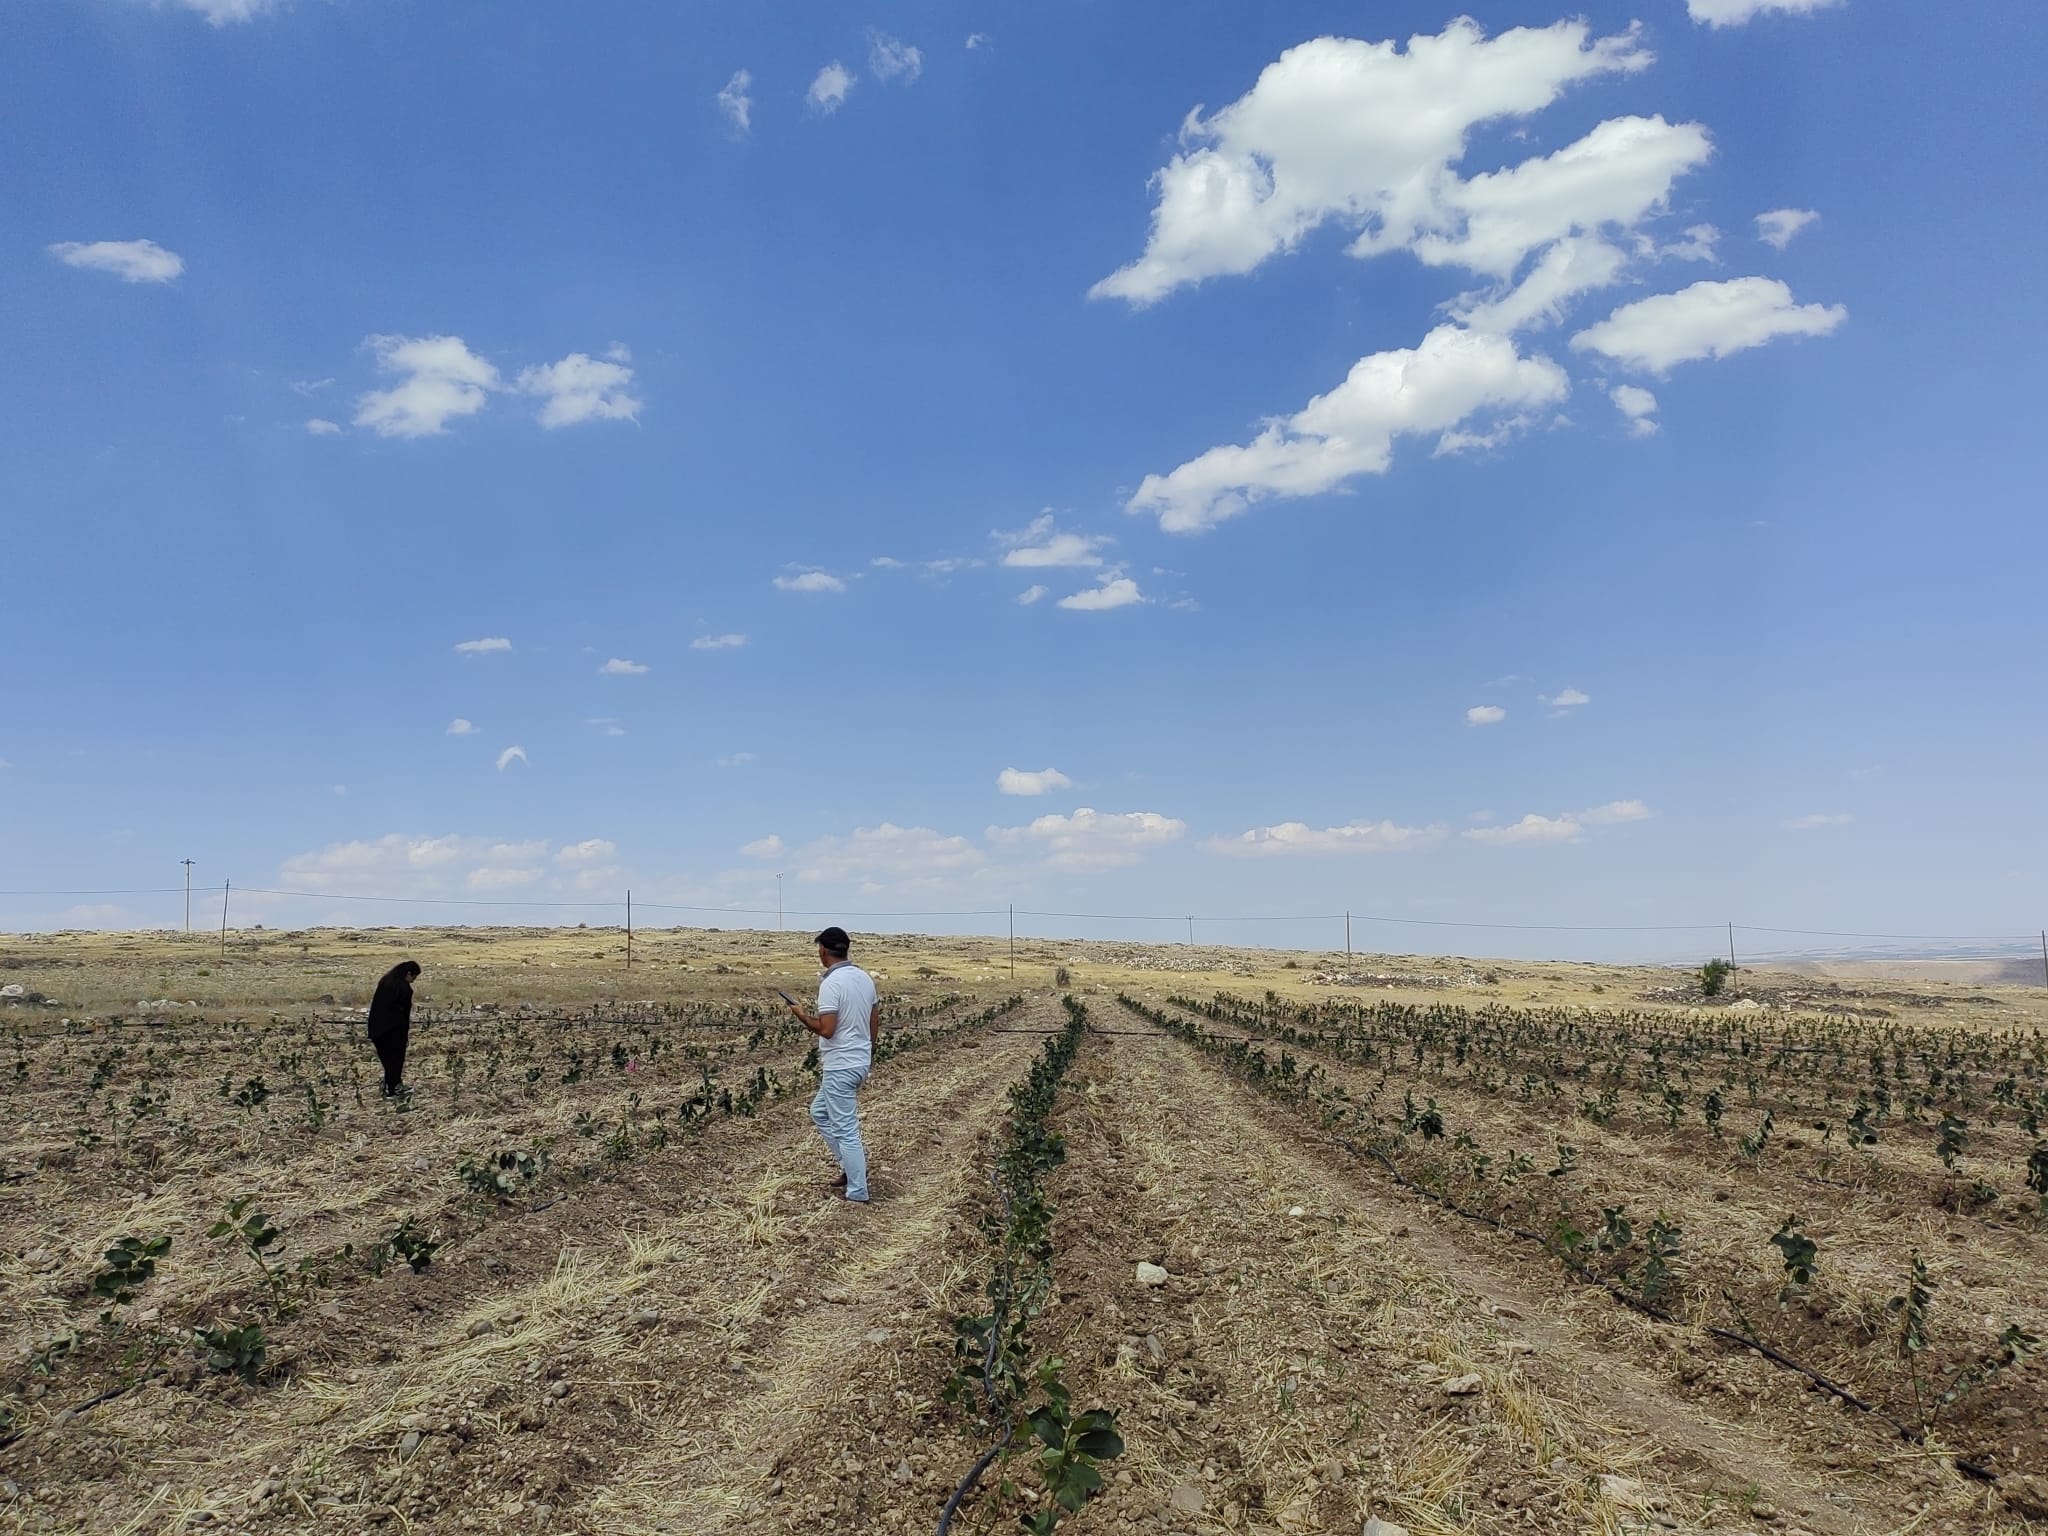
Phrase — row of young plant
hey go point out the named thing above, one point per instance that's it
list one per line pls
(131, 1102)
(1640, 1260)
(1711, 1074)
(1009, 1388)
(235, 1340)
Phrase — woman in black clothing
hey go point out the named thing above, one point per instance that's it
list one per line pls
(391, 1021)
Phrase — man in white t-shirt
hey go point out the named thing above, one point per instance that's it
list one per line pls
(847, 1023)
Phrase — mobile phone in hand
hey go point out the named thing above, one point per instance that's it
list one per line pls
(787, 998)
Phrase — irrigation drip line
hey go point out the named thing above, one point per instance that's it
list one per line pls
(1649, 1309)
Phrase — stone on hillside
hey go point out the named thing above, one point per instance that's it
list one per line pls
(1151, 1274)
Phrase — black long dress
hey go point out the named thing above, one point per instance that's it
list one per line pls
(390, 1021)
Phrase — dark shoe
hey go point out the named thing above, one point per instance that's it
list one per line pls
(840, 1182)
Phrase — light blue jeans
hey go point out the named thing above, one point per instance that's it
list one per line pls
(837, 1117)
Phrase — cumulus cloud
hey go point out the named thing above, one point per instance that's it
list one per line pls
(1017, 781)
(977, 41)
(1778, 227)
(1298, 839)
(1567, 828)
(1485, 714)
(484, 647)
(1362, 135)
(888, 855)
(608, 725)
(734, 104)
(1031, 594)
(1699, 244)
(769, 847)
(1639, 406)
(221, 13)
(892, 59)
(618, 666)
(319, 426)
(718, 642)
(1733, 13)
(830, 89)
(460, 727)
(451, 867)
(440, 379)
(1815, 822)
(582, 388)
(509, 756)
(810, 581)
(1451, 377)
(1040, 543)
(133, 261)
(1707, 320)
(1091, 839)
(1567, 699)
(1114, 592)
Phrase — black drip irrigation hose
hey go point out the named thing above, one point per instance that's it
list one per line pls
(973, 1476)
(1911, 1436)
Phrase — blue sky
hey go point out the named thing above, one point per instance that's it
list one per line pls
(1336, 376)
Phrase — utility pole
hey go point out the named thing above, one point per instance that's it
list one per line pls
(1191, 933)
(629, 929)
(224, 917)
(778, 903)
(1013, 941)
(2044, 956)
(188, 893)
(1347, 935)
(1731, 946)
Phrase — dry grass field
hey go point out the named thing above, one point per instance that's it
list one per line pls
(1453, 1246)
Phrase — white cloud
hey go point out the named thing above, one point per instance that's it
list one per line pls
(1485, 714)
(441, 380)
(1017, 781)
(718, 642)
(484, 647)
(1091, 839)
(734, 104)
(321, 427)
(888, 855)
(582, 388)
(1639, 406)
(1501, 432)
(1733, 13)
(810, 581)
(891, 59)
(594, 850)
(830, 89)
(1530, 829)
(1815, 822)
(1452, 376)
(509, 756)
(769, 847)
(1568, 828)
(608, 725)
(1569, 698)
(1031, 594)
(1115, 592)
(223, 12)
(1698, 245)
(1778, 227)
(1709, 319)
(1362, 134)
(977, 41)
(1294, 838)
(133, 261)
(736, 760)
(309, 386)
(1614, 813)
(886, 563)
(496, 878)
(1040, 544)
(1569, 268)
(618, 666)
(460, 727)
